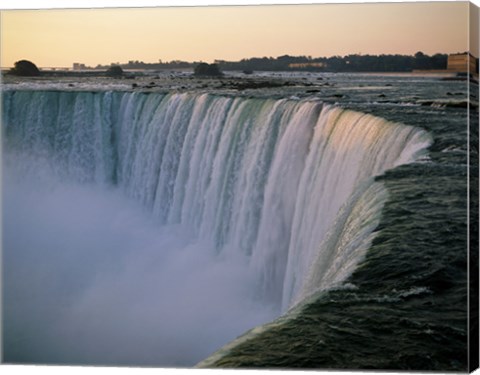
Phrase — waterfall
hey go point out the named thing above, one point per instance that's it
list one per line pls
(286, 184)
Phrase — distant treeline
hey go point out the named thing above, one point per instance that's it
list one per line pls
(140, 65)
(350, 63)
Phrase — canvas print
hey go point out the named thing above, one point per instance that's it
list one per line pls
(253, 186)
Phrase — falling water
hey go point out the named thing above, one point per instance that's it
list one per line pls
(284, 187)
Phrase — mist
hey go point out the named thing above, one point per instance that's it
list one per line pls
(91, 278)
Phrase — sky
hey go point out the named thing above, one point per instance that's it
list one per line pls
(60, 37)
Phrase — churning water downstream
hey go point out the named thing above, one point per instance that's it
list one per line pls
(152, 229)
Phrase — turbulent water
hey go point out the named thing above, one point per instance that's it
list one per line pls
(151, 229)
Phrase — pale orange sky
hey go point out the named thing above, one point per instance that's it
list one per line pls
(101, 36)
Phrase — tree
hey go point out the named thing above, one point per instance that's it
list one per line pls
(422, 61)
(115, 71)
(25, 68)
(207, 70)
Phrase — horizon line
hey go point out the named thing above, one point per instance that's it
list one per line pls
(235, 61)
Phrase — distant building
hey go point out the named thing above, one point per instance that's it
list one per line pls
(462, 63)
(78, 66)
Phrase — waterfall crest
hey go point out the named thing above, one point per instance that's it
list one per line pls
(288, 184)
